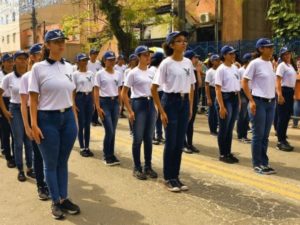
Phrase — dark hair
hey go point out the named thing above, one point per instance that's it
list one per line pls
(167, 49)
(156, 62)
(45, 52)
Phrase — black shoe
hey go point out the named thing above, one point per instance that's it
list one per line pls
(227, 159)
(139, 174)
(150, 173)
(235, 160)
(116, 160)
(182, 186)
(69, 207)
(111, 162)
(284, 146)
(89, 152)
(172, 185)
(215, 134)
(43, 193)
(155, 142)
(268, 169)
(11, 163)
(247, 140)
(21, 176)
(84, 153)
(56, 211)
(31, 173)
(186, 150)
(264, 170)
(194, 149)
(161, 140)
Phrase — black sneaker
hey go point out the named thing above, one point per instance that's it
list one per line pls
(111, 162)
(30, 173)
(235, 160)
(215, 134)
(269, 170)
(139, 174)
(69, 207)
(150, 173)
(172, 185)
(21, 176)
(262, 170)
(84, 153)
(116, 160)
(284, 146)
(11, 163)
(247, 140)
(227, 159)
(155, 141)
(186, 150)
(162, 140)
(89, 152)
(43, 193)
(194, 149)
(57, 211)
(182, 186)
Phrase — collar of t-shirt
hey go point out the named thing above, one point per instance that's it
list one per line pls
(51, 61)
(3, 71)
(16, 73)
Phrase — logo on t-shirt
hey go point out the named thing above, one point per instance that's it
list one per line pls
(187, 72)
(69, 76)
(237, 76)
(116, 82)
(89, 79)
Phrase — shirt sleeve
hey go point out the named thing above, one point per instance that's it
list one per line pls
(208, 77)
(97, 80)
(120, 80)
(160, 74)
(5, 83)
(129, 79)
(34, 81)
(193, 78)
(24, 85)
(280, 70)
(250, 71)
(219, 77)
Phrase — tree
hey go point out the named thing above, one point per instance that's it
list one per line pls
(285, 20)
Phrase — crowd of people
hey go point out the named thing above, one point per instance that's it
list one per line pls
(47, 103)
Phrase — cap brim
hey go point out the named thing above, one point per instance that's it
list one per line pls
(54, 39)
(268, 45)
(110, 58)
(87, 58)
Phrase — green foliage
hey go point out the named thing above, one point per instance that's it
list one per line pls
(285, 20)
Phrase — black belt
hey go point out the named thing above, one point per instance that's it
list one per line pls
(143, 98)
(288, 88)
(178, 95)
(57, 111)
(231, 93)
(264, 99)
(83, 93)
(111, 98)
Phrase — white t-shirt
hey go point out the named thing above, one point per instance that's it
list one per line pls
(94, 67)
(140, 82)
(261, 73)
(55, 84)
(11, 83)
(24, 83)
(152, 70)
(84, 81)
(210, 77)
(108, 83)
(288, 74)
(6, 92)
(175, 76)
(228, 78)
(121, 70)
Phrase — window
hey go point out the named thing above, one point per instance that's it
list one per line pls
(14, 17)
(7, 39)
(14, 37)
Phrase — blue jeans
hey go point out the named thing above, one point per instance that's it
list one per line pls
(38, 166)
(261, 126)
(20, 137)
(84, 104)
(212, 113)
(158, 126)
(243, 118)
(296, 111)
(60, 131)
(231, 103)
(143, 128)
(177, 110)
(111, 110)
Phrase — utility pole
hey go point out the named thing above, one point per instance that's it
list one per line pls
(217, 20)
(178, 8)
(33, 21)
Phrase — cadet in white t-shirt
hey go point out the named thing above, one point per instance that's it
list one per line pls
(176, 76)
(286, 80)
(53, 120)
(227, 85)
(214, 62)
(11, 83)
(108, 84)
(84, 82)
(141, 112)
(261, 103)
(121, 68)
(6, 134)
(94, 65)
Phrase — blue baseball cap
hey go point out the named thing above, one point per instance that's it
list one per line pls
(227, 49)
(141, 49)
(55, 35)
(36, 48)
(158, 56)
(94, 51)
(283, 50)
(247, 57)
(81, 56)
(214, 57)
(264, 42)
(189, 54)
(171, 36)
(132, 57)
(6, 57)
(109, 55)
(19, 53)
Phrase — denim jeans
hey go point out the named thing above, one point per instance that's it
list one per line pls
(177, 110)
(60, 131)
(261, 126)
(111, 110)
(296, 111)
(243, 118)
(231, 103)
(143, 128)
(38, 166)
(158, 126)
(20, 137)
(84, 104)
(285, 112)
(212, 112)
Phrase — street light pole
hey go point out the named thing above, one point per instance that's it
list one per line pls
(33, 21)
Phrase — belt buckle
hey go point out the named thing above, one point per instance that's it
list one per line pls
(86, 93)
(62, 110)
(182, 95)
(112, 98)
(149, 98)
(269, 100)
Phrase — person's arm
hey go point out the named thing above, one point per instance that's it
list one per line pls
(222, 111)
(191, 99)
(74, 107)
(156, 99)
(36, 132)
(125, 100)
(248, 94)
(24, 112)
(3, 108)
(100, 111)
(199, 75)
(208, 96)
(281, 99)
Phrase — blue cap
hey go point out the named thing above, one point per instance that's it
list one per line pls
(214, 57)
(81, 56)
(109, 55)
(132, 57)
(264, 42)
(227, 49)
(247, 57)
(189, 54)
(283, 50)
(171, 36)
(158, 56)
(6, 57)
(54, 35)
(141, 49)
(19, 53)
(121, 56)
(36, 48)
(94, 51)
